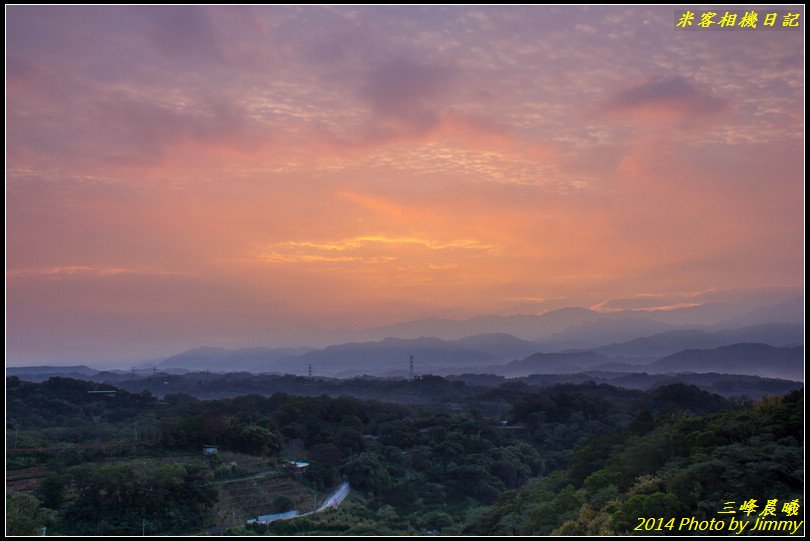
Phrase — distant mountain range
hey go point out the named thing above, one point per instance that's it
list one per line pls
(228, 360)
(552, 363)
(47, 371)
(667, 343)
(506, 355)
(581, 327)
(790, 311)
(753, 359)
(726, 369)
(359, 358)
(559, 341)
(81, 369)
(745, 358)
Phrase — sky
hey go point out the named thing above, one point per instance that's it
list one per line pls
(235, 176)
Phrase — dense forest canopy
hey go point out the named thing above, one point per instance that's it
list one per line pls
(569, 458)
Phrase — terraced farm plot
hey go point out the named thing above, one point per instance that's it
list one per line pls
(247, 463)
(25, 479)
(241, 500)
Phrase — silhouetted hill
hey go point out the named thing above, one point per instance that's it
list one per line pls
(755, 359)
(667, 343)
(504, 346)
(727, 385)
(553, 363)
(682, 396)
(224, 360)
(41, 370)
(590, 334)
(385, 355)
(41, 373)
(524, 326)
(198, 358)
(582, 327)
(791, 311)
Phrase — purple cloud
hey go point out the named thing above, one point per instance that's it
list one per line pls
(407, 91)
(675, 94)
(184, 31)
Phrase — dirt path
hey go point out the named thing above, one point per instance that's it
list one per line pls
(260, 475)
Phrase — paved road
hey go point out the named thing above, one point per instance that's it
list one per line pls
(336, 498)
(333, 501)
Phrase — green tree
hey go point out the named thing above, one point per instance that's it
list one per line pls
(367, 471)
(257, 440)
(282, 504)
(24, 516)
(658, 504)
(51, 490)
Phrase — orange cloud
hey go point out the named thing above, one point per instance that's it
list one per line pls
(84, 270)
(309, 251)
(376, 204)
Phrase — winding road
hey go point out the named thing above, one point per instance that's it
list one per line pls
(333, 500)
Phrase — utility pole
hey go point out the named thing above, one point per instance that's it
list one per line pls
(411, 370)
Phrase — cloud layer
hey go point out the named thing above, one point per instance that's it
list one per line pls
(225, 175)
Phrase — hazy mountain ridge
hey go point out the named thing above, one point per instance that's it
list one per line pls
(623, 341)
(490, 348)
(744, 358)
(790, 311)
(583, 327)
(553, 363)
(390, 358)
(393, 352)
(219, 359)
(669, 342)
(80, 369)
(494, 340)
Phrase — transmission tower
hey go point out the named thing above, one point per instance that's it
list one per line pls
(310, 370)
(411, 370)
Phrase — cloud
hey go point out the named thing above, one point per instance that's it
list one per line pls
(315, 162)
(370, 249)
(406, 92)
(184, 31)
(366, 240)
(62, 271)
(647, 301)
(147, 130)
(671, 99)
(377, 204)
(277, 257)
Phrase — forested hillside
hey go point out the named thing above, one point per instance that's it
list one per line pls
(90, 459)
(674, 466)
